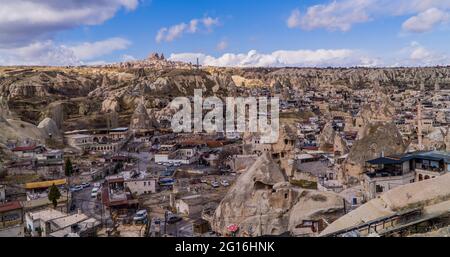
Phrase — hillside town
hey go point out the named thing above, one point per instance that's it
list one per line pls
(360, 152)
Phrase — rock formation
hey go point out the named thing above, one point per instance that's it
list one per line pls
(49, 127)
(433, 195)
(141, 120)
(263, 202)
(380, 138)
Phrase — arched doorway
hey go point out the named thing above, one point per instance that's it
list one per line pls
(426, 177)
(420, 177)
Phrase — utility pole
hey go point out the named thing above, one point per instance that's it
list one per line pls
(419, 124)
(67, 194)
(345, 208)
(165, 222)
(260, 223)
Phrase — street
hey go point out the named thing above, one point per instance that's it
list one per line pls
(92, 207)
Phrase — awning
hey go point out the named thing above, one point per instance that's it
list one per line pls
(45, 184)
(384, 160)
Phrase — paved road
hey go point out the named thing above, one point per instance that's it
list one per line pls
(15, 231)
(182, 228)
(90, 206)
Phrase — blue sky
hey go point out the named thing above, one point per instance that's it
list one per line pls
(227, 32)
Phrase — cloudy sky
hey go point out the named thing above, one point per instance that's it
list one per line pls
(227, 32)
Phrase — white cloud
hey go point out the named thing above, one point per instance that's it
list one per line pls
(294, 19)
(418, 55)
(210, 22)
(414, 55)
(425, 21)
(49, 53)
(38, 53)
(342, 15)
(26, 21)
(193, 26)
(298, 58)
(333, 16)
(91, 50)
(222, 45)
(127, 58)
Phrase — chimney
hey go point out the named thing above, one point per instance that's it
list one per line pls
(79, 212)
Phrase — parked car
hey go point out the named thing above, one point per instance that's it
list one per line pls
(97, 184)
(215, 184)
(94, 192)
(174, 219)
(140, 215)
(76, 188)
(203, 180)
(224, 183)
(86, 185)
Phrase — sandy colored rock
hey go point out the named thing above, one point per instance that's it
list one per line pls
(49, 127)
(262, 201)
(433, 194)
(380, 138)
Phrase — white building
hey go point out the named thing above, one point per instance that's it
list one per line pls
(141, 186)
(2, 193)
(189, 205)
(54, 223)
(39, 220)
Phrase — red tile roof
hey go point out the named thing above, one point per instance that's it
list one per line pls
(10, 206)
(310, 148)
(24, 148)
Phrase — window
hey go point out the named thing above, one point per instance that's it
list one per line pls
(379, 189)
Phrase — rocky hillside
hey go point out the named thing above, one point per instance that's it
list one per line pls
(79, 96)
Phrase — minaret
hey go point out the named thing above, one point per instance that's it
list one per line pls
(419, 125)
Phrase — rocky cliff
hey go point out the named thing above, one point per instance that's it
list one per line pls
(263, 202)
(78, 97)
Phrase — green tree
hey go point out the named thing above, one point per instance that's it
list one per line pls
(68, 169)
(54, 195)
